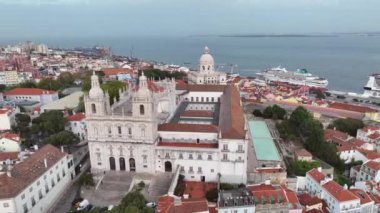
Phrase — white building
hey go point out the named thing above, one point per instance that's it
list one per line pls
(77, 125)
(207, 73)
(370, 170)
(201, 130)
(32, 94)
(34, 184)
(9, 142)
(7, 117)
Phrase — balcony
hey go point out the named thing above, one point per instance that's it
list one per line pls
(225, 150)
(239, 151)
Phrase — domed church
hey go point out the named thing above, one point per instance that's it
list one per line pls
(206, 73)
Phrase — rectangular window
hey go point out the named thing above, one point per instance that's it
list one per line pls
(212, 170)
(145, 158)
(209, 157)
(119, 130)
(191, 156)
(199, 156)
(33, 201)
(182, 169)
(5, 205)
(58, 177)
(225, 157)
(40, 194)
(129, 131)
(46, 188)
(25, 207)
(199, 169)
(225, 147)
(98, 156)
(167, 155)
(180, 156)
(22, 196)
(30, 189)
(52, 183)
(240, 148)
(38, 183)
(191, 169)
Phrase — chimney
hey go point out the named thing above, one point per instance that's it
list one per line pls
(35, 147)
(45, 162)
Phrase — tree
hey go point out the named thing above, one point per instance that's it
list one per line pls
(86, 180)
(212, 195)
(299, 116)
(50, 84)
(134, 198)
(268, 112)
(62, 138)
(22, 124)
(347, 125)
(257, 113)
(299, 168)
(113, 87)
(278, 112)
(319, 94)
(50, 122)
(66, 79)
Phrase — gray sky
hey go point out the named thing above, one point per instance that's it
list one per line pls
(73, 18)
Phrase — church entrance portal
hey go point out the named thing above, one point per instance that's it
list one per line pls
(112, 163)
(122, 164)
(132, 165)
(168, 166)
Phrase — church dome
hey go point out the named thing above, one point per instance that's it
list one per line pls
(95, 91)
(206, 58)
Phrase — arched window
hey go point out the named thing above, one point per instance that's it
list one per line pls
(93, 108)
(142, 110)
(203, 68)
(208, 68)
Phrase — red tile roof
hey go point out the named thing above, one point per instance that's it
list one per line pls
(187, 127)
(269, 193)
(357, 142)
(351, 107)
(29, 91)
(197, 113)
(374, 135)
(303, 153)
(166, 205)
(307, 200)
(10, 136)
(188, 145)
(27, 171)
(5, 110)
(198, 189)
(370, 128)
(372, 165)
(8, 155)
(364, 197)
(180, 85)
(231, 119)
(369, 154)
(205, 88)
(76, 117)
(338, 192)
(330, 134)
(316, 175)
(114, 71)
(375, 198)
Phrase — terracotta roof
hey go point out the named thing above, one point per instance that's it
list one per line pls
(303, 153)
(187, 127)
(338, 192)
(197, 113)
(291, 196)
(375, 198)
(152, 87)
(362, 195)
(330, 134)
(5, 110)
(166, 205)
(372, 165)
(316, 175)
(231, 119)
(307, 200)
(369, 154)
(8, 155)
(29, 91)
(351, 107)
(180, 85)
(370, 128)
(357, 142)
(115, 71)
(374, 135)
(76, 117)
(27, 171)
(269, 193)
(189, 145)
(10, 136)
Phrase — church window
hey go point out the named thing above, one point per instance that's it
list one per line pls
(119, 129)
(109, 130)
(98, 156)
(202, 99)
(142, 110)
(208, 68)
(212, 99)
(167, 155)
(142, 131)
(129, 130)
(93, 108)
(203, 68)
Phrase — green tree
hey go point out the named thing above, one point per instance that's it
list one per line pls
(319, 94)
(50, 84)
(347, 125)
(268, 112)
(299, 168)
(278, 112)
(257, 113)
(86, 180)
(62, 138)
(50, 122)
(22, 124)
(66, 79)
(113, 87)
(134, 198)
(299, 116)
(212, 195)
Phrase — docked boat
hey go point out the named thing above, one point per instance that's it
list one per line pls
(299, 77)
(372, 88)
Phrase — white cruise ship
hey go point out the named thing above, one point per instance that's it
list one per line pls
(299, 77)
(372, 88)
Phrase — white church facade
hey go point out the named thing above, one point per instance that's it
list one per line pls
(157, 126)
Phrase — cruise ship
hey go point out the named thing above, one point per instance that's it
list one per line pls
(372, 88)
(299, 77)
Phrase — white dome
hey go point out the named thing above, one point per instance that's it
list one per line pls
(206, 58)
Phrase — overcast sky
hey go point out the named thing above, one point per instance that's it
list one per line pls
(73, 18)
